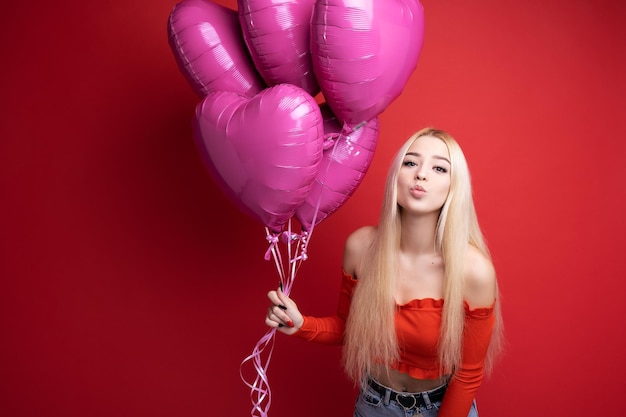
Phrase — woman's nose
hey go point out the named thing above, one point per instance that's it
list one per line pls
(420, 174)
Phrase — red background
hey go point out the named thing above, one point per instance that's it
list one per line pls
(132, 287)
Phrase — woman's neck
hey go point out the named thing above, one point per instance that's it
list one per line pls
(418, 234)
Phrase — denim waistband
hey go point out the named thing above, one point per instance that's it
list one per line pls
(408, 400)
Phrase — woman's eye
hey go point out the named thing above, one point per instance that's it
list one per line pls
(409, 164)
(441, 169)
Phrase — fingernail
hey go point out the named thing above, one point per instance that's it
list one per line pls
(280, 285)
(282, 307)
(290, 323)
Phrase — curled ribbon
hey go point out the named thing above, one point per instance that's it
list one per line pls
(296, 251)
(304, 243)
(273, 240)
(260, 392)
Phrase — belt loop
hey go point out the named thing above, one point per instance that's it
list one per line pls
(387, 396)
(427, 400)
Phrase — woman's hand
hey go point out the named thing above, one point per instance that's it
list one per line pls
(283, 314)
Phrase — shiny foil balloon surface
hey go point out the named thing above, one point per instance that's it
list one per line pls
(264, 151)
(364, 53)
(209, 48)
(346, 159)
(277, 33)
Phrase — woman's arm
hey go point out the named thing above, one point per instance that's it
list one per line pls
(355, 249)
(480, 279)
(480, 296)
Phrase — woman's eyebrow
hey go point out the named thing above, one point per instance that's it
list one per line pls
(443, 158)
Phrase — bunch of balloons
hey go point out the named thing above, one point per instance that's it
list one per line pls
(290, 94)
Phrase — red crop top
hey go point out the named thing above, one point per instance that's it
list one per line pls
(417, 327)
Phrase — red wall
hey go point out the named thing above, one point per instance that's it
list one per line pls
(130, 286)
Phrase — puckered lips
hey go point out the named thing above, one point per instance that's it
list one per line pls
(418, 191)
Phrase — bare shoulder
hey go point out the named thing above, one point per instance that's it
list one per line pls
(480, 279)
(355, 247)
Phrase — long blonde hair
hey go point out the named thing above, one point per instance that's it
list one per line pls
(370, 331)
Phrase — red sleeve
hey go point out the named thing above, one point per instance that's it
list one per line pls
(466, 380)
(329, 330)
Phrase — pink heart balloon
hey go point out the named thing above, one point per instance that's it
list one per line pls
(277, 33)
(209, 49)
(343, 167)
(364, 53)
(263, 151)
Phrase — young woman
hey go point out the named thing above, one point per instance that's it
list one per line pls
(418, 314)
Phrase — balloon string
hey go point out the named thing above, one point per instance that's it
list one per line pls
(307, 235)
(260, 391)
(273, 240)
(274, 252)
(346, 130)
(294, 259)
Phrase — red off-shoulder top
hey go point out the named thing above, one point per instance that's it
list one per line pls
(418, 324)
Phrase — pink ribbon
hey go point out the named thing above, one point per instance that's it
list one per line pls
(273, 239)
(295, 248)
(260, 392)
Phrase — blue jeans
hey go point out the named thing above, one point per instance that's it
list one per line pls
(369, 403)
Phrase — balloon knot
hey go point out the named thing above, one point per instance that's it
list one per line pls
(347, 129)
(273, 240)
(287, 237)
(329, 140)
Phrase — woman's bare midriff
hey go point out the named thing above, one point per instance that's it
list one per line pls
(399, 381)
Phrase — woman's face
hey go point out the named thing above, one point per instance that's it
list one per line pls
(424, 177)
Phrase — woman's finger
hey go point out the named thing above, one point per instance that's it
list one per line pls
(277, 315)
